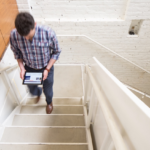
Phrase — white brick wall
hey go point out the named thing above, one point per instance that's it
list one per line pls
(138, 9)
(81, 50)
(113, 35)
(77, 9)
(23, 5)
(101, 21)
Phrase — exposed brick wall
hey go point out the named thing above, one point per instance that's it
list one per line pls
(81, 50)
(101, 21)
(23, 5)
(78, 9)
(112, 35)
(138, 9)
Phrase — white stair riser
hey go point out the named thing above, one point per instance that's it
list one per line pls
(44, 134)
(56, 110)
(43, 147)
(48, 120)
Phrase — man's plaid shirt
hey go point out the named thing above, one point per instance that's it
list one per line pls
(36, 53)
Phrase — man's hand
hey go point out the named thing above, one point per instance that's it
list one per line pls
(45, 74)
(20, 63)
(22, 73)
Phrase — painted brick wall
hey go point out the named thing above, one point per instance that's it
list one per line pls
(113, 35)
(104, 22)
(78, 9)
(101, 21)
(23, 5)
(138, 9)
(81, 50)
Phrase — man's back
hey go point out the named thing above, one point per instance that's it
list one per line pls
(35, 53)
(32, 45)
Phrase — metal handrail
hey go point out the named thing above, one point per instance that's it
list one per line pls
(137, 91)
(8, 67)
(7, 80)
(108, 50)
(112, 126)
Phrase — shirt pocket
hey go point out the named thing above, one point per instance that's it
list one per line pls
(43, 44)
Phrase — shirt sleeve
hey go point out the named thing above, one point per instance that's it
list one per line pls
(54, 45)
(14, 47)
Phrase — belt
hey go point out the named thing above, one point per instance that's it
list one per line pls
(37, 69)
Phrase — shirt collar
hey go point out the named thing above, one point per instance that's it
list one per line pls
(36, 31)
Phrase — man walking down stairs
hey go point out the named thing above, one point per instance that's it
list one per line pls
(37, 47)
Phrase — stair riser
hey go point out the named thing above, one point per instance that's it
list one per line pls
(43, 147)
(57, 101)
(45, 135)
(48, 120)
(56, 110)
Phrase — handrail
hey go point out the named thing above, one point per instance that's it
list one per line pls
(113, 129)
(109, 50)
(8, 67)
(8, 80)
(133, 89)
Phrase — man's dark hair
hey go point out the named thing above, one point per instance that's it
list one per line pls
(24, 22)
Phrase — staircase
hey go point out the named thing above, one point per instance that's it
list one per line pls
(28, 127)
(33, 129)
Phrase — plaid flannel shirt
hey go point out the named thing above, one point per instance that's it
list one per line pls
(38, 52)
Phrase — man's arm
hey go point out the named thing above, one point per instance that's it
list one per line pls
(22, 69)
(55, 54)
(50, 64)
(17, 54)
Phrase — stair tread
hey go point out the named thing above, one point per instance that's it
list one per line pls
(57, 101)
(56, 110)
(43, 147)
(48, 120)
(44, 134)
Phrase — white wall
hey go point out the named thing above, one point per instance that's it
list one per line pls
(99, 20)
(81, 50)
(77, 9)
(104, 21)
(112, 34)
(138, 9)
(23, 5)
(91, 18)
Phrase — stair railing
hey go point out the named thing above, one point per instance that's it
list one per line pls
(9, 84)
(108, 49)
(115, 133)
(111, 93)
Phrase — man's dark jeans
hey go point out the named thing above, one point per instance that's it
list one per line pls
(47, 85)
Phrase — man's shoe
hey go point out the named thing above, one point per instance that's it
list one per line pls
(37, 99)
(49, 108)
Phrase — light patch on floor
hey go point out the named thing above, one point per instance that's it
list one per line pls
(68, 81)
